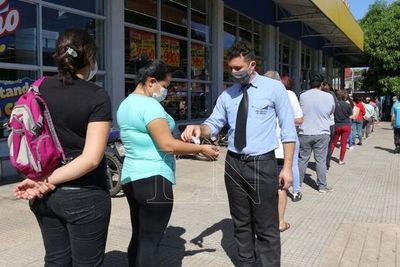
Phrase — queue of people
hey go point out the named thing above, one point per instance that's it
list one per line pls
(73, 207)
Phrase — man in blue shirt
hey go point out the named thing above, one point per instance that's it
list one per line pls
(250, 108)
(396, 123)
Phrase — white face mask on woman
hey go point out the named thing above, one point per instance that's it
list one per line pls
(93, 71)
(162, 95)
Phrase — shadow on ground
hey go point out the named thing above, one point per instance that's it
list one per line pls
(385, 149)
(310, 182)
(172, 248)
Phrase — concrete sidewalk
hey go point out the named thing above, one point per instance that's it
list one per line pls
(366, 195)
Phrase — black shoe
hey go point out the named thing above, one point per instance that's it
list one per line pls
(297, 197)
(359, 144)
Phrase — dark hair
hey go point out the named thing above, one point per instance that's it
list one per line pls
(75, 50)
(153, 69)
(241, 48)
(287, 82)
(342, 95)
(316, 80)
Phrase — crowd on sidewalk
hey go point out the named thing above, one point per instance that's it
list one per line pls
(72, 204)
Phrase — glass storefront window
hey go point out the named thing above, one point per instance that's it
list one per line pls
(245, 22)
(245, 35)
(92, 6)
(201, 97)
(201, 58)
(130, 86)
(138, 44)
(230, 16)
(143, 13)
(173, 53)
(258, 45)
(176, 103)
(13, 83)
(174, 17)
(200, 20)
(18, 42)
(55, 22)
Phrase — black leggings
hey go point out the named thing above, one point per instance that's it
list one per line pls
(150, 202)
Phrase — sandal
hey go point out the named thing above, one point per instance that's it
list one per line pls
(287, 226)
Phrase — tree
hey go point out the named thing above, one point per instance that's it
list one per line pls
(382, 46)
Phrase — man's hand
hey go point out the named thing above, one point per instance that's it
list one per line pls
(191, 131)
(285, 179)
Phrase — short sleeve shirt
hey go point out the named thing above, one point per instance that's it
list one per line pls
(294, 102)
(143, 158)
(72, 108)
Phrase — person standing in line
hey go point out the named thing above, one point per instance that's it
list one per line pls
(343, 112)
(250, 107)
(148, 171)
(298, 119)
(75, 215)
(368, 117)
(395, 118)
(326, 87)
(318, 107)
(349, 100)
(358, 120)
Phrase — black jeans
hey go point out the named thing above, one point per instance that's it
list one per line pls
(74, 225)
(397, 137)
(150, 203)
(328, 156)
(252, 188)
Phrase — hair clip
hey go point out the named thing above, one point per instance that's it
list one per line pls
(71, 52)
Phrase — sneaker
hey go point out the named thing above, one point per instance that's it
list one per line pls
(359, 144)
(351, 148)
(341, 162)
(297, 197)
(325, 190)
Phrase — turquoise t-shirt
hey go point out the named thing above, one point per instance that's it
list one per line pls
(396, 113)
(143, 158)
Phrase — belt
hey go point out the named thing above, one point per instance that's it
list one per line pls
(244, 157)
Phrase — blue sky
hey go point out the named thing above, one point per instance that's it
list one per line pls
(360, 7)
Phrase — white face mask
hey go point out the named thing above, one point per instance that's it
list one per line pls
(163, 94)
(93, 71)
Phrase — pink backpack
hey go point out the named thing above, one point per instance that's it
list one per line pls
(35, 150)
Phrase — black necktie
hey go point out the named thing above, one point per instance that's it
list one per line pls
(241, 120)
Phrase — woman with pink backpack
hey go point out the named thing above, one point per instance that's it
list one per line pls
(72, 205)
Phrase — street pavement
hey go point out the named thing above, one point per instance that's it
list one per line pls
(332, 229)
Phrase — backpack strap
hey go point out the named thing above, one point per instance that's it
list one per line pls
(36, 84)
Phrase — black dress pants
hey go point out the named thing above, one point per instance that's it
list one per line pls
(252, 187)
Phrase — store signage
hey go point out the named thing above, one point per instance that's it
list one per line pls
(10, 91)
(141, 43)
(170, 51)
(9, 19)
(198, 55)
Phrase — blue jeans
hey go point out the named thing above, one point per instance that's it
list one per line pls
(357, 130)
(295, 168)
(351, 139)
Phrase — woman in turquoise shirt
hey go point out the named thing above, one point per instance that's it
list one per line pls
(149, 167)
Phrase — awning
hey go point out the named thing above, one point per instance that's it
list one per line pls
(329, 20)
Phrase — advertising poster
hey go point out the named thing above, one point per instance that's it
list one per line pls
(142, 43)
(9, 22)
(170, 51)
(198, 55)
(10, 91)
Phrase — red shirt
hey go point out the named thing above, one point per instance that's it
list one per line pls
(362, 111)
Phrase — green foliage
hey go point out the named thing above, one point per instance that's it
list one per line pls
(382, 46)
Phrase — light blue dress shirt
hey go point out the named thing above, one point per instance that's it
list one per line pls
(268, 100)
